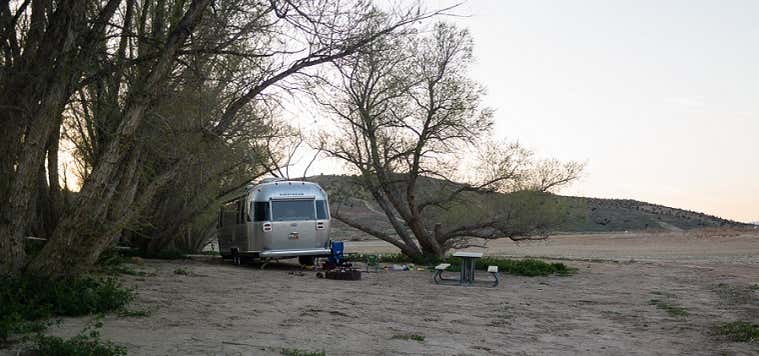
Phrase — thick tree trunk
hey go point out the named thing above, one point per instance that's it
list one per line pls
(11, 249)
(40, 85)
(20, 205)
(86, 231)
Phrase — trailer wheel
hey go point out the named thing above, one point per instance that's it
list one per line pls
(307, 260)
(236, 259)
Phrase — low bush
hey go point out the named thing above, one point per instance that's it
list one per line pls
(415, 337)
(739, 331)
(134, 313)
(26, 301)
(182, 271)
(669, 307)
(521, 267)
(381, 257)
(87, 343)
(525, 267)
(299, 352)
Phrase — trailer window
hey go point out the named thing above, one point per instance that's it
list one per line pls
(261, 211)
(321, 210)
(289, 210)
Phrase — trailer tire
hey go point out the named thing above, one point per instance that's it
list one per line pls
(236, 259)
(307, 260)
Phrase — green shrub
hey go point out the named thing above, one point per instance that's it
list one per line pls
(26, 300)
(381, 257)
(111, 257)
(124, 269)
(669, 307)
(134, 313)
(740, 331)
(415, 337)
(87, 343)
(210, 253)
(299, 352)
(525, 267)
(182, 271)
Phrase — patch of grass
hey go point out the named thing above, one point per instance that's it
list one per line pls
(182, 271)
(735, 294)
(739, 331)
(382, 258)
(135, 313)
(299, 352)
(87, 343)
(124, 269)
(415, 337)
(209, 253)
(111, 257)
(501, 315)
(670, 308)
(26, 301)
(113, 262)
(522, 267)
(664, 294)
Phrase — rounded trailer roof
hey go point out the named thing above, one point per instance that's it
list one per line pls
(285, 189)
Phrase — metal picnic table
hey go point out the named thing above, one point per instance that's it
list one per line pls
(468, 262)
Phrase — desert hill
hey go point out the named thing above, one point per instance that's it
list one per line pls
(582, 214)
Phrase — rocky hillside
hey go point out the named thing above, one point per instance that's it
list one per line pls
(582, 214)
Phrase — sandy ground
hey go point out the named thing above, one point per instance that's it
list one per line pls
(605, 308)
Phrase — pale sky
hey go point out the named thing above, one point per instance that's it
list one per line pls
(660, 98)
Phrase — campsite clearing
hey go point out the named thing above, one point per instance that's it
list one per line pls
(605, 308)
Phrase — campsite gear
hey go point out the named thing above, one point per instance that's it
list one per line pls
(336, 257)
(351, 274)
(373, 261)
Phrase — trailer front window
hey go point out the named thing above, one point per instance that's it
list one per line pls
(289, 210)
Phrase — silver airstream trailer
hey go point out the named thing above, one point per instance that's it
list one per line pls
(276, 219)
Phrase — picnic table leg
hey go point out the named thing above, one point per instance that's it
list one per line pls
(471, 271)
(462, 274)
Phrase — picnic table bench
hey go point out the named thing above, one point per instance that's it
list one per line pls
(466, 275)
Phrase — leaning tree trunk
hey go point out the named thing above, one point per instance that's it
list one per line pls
(86, 231)
(39, 87)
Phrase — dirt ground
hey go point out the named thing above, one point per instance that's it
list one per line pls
(605, 308)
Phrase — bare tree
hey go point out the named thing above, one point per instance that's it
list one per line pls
(407, 112)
